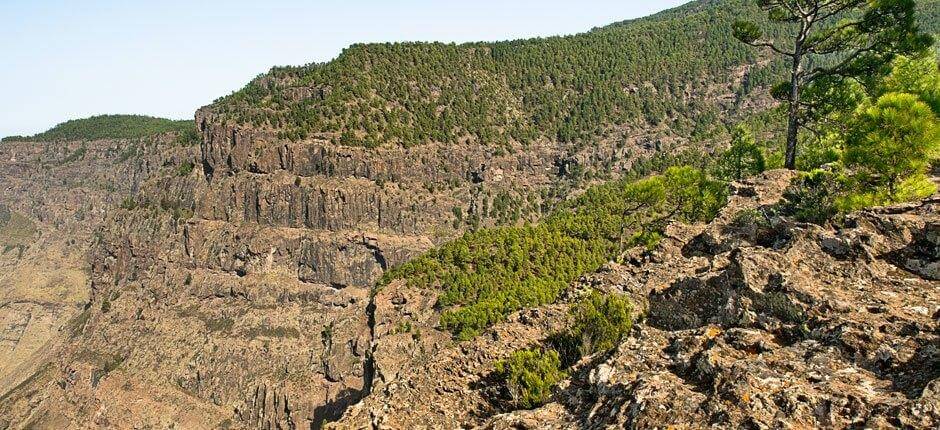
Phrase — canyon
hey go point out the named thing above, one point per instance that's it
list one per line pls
(234, 278)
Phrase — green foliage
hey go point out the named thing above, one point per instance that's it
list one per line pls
(188, 135)
(110, 127)
(76, 155)
(819, 152)
(827, 41)
(917, 76)
(750, 219)
(744, 158)
(814, 196)
(892, 140)
(601, 322)
(129, 203)
(489, 273)
(879, 143)
(529, 375)
(570, 88)
(185, 168)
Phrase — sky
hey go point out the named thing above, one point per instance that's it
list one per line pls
(68, 59)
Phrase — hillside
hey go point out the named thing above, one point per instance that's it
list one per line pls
(639, 72)
(659, 69)
(55, 197)
(740, 323)
(108, 127)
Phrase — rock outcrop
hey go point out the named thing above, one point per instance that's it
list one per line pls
(744, 324)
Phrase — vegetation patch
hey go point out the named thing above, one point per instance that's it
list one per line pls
(530, 375)
(78, 154)
(185, 168)
(265, 330)
(487, 274)
(569, 89)
(110, 127)
(601, 322)
(16, 231)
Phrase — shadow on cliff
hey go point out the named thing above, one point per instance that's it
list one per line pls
(334, 410)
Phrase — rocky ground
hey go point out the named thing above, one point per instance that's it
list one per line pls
(745, 325)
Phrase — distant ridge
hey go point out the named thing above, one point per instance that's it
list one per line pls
(108, 127)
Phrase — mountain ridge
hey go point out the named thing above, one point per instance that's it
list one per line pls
(564, 88)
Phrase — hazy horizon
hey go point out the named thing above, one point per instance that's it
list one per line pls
(68, 61)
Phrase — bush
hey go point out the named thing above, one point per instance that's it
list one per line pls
(129, 203)
(601, 322)
(188, 136)
(529, 376)
(917, 76)
(813, 196)
(893, 140)
(744, 158)
(185, 168)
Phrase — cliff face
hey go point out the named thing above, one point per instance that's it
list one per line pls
(53, 195)
(235, 290)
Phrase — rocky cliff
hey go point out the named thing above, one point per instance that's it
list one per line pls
(238, 293)
(54, 196)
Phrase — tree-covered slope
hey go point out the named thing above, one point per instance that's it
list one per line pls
(109, 127)
(641, 71)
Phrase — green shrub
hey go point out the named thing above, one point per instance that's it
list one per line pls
(601, 322)
(744, 158)
(185, 168)
(813, 196)
(188, 136)
(817, 153)
(78, 154)
(749, 218)
(892, 141)
(530, 375)
(129, 203)
(917, 76)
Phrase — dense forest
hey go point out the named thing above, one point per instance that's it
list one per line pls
(647, 71)
(110, 127)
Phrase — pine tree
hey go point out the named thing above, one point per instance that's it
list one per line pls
(829, 40)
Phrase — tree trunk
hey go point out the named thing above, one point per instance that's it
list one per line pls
(793, 117)
(793, 120)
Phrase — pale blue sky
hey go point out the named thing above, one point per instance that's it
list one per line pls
(65, 59)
